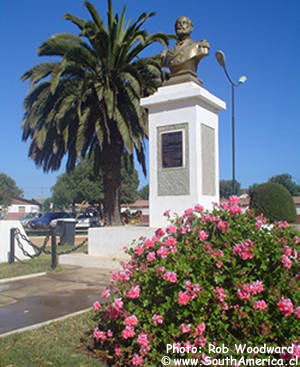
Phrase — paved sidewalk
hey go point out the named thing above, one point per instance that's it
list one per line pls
(31, 301)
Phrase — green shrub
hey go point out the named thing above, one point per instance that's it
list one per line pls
(274, 201)
(208, 279)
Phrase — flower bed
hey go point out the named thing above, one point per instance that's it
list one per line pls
(218, 278)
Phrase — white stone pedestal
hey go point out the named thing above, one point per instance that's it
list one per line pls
(106, 246)
(5, 227)
(183, 149)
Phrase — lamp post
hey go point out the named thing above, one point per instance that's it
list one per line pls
(221, 60)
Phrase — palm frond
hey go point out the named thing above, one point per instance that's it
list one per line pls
(90, 97)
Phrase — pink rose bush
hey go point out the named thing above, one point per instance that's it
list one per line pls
(219, 277)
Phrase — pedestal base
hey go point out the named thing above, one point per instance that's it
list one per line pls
(183, 148)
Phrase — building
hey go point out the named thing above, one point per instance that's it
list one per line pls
(297, 202)
(20, 206)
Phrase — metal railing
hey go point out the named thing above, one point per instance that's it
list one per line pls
(15, 239)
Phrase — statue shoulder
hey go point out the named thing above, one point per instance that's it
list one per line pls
(204, 43)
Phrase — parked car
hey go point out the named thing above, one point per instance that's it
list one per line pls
(44, 221)
(53, 222)
(87, 220)
(26, 219)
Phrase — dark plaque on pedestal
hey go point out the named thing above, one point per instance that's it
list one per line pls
(172, 152)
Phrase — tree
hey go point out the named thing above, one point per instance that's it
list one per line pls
(77, 186)
(47, 205)
(143, 193)
(251, 188)
(286, 180)
(88, 102)
(82, 184)
(226, 188)
(129, 184)
(8, 189)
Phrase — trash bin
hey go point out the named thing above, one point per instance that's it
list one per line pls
(65, 228)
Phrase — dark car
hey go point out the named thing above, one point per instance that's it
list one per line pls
(44, 221)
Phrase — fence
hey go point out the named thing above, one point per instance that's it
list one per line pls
(16, 235)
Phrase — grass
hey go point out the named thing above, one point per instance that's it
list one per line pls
(45, 232)
(39, 264)
(59, 344)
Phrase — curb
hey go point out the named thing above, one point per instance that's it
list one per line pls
(34, 275)
(44, 323)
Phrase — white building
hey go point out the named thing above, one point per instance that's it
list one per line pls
(20, 206)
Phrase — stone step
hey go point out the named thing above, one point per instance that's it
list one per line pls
(92, 261)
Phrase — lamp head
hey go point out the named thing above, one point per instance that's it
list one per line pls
(221, 58)
(242, 79)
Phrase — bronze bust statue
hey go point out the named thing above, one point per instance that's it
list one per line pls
(184, 57)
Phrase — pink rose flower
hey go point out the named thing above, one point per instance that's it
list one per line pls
(143, 340)
(137, 360)
(234, 200)
(256, 287)
(118, 304)
(188, 212)
(285, 305)
(139, 250)
(171, 229)
(99, 335)
(283, 224)
(109, 333)
(157, 319)
(221, 294)
(170, 276)
(131, 320)
(133, 292)
(185, 328)
(235, 209)
(163, 252)
(151, 256)
(203, 236)
(170, 241)
(96, 306)
(183, 298)
(260, 305)
(128, 332)
(243, 294)
(118, 351)
(297, 312)
(105, 293)
(287, 262)
(222, 225)
(200, 329)
(198, 208)
(243, 249)
(159, 232)
(258, 223)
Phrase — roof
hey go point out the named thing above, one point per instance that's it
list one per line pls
(137, 204)
(22, 201)
(296, 200)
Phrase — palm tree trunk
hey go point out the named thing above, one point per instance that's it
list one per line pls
(111, 168)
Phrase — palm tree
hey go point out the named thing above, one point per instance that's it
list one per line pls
(88, 102)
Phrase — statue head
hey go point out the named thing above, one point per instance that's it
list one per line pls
(183, 27)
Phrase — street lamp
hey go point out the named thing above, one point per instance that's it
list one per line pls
(221, 60)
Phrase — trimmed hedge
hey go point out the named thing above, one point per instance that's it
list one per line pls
(274, 201)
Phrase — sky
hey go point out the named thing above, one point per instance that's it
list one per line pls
(260, 39)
